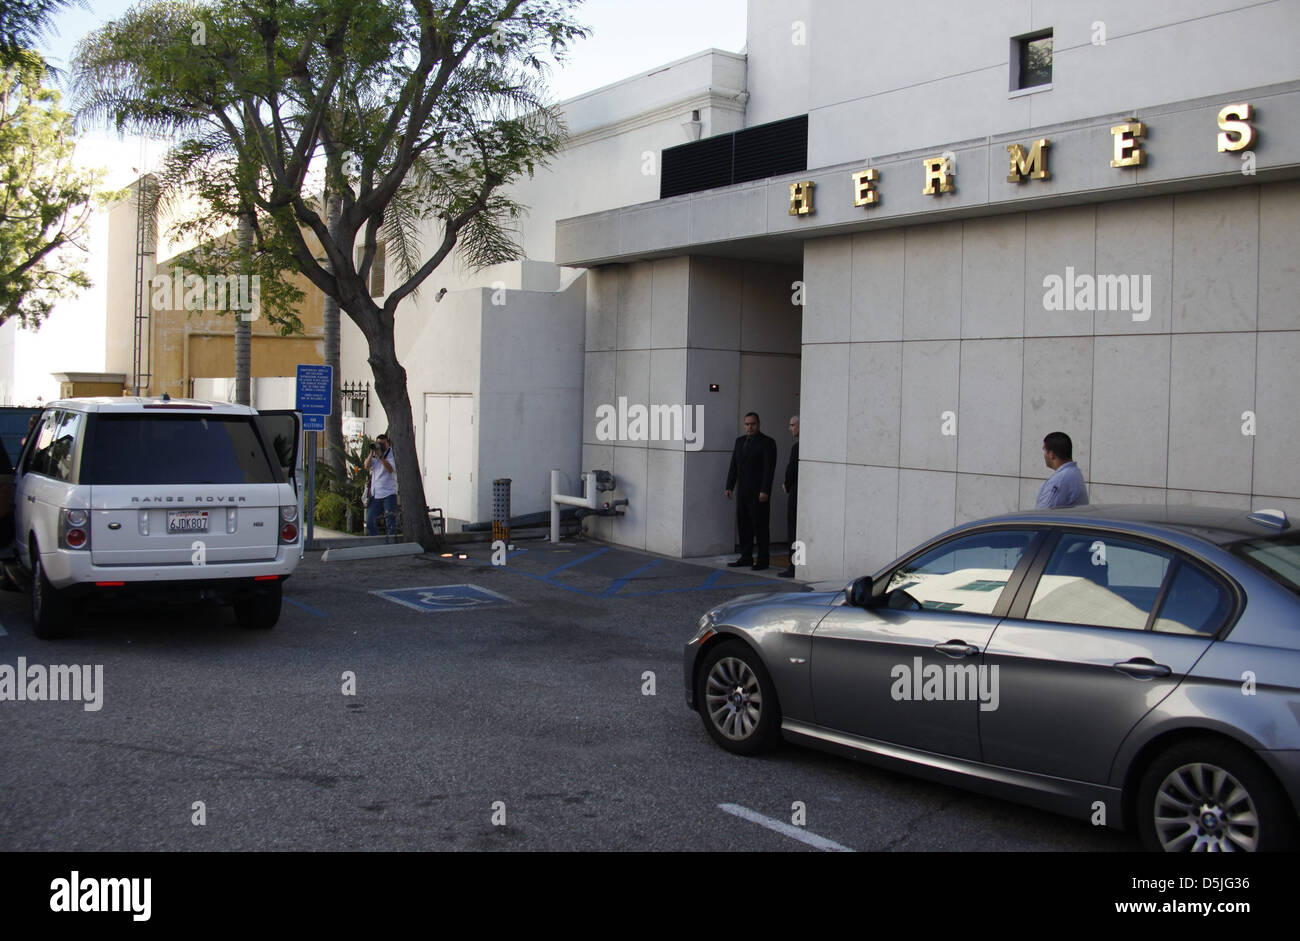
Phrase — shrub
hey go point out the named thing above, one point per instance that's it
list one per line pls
(331, 511)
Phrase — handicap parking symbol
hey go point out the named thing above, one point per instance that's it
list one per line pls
(444, 597)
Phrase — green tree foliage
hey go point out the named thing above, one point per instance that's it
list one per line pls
(44, 200)
(23, 23)
(429, 107)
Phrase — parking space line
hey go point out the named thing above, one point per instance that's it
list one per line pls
(306, 607)
(711, 579)
(568, 565)
(623, 580)
(785, 829)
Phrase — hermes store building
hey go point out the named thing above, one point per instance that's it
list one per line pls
(941, 234)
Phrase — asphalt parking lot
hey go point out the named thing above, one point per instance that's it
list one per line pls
(539, 709)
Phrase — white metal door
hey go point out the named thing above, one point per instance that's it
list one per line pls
(460, 459)
(448, 459)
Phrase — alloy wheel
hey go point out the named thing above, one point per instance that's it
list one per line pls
(733, 698)
(1201, 808)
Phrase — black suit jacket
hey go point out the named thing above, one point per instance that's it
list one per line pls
(752, 475)
(792, 470)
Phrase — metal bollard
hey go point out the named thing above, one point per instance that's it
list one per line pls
(501, 509)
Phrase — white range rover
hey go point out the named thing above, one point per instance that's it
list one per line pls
(166, 499)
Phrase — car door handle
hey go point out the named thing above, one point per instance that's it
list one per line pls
(1142, 668)
(957, 649)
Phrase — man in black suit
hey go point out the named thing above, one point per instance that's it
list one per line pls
(753, 465)
(791, 487)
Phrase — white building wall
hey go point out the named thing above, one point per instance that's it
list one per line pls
(530, 394)
(950, 318)
(877, 81)
(662, 333)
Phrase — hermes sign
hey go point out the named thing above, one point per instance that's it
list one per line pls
(939, 174)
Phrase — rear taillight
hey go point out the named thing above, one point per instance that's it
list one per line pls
(74, 529)
(288, 524)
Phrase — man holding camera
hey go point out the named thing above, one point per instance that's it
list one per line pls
(383, 487)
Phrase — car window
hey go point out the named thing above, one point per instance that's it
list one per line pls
(1278, 557)
(1093, 579)
(66, 430)
(176, 449)
(966, 574)
(1196, 604)
(38, 455)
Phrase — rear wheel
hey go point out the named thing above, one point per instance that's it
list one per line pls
(50, 615)
(1209, 796)
(260, 612)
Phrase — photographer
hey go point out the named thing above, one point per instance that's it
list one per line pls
(383, 487)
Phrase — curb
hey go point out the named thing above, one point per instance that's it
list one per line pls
(372, 552)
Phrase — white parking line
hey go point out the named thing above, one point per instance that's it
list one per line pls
(785, 829)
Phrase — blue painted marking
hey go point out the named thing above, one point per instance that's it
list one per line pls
(585, 558)
(444, 597)
(306, 607)
(620, 582)
(711, 579)
(511, 555)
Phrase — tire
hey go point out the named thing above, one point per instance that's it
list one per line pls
(260, 612)
(50, 615)
(737, 699)
(1211, 796)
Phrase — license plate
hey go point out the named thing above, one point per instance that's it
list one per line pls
(182, 521)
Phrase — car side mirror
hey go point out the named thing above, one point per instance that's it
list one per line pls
(860, 592)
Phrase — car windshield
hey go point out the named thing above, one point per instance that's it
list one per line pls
(1275, 556)
(176, 449)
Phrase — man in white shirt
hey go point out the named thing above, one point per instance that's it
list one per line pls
(1065, 487)
(383, 487)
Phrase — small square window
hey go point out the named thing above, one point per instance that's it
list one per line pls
(1031, 60)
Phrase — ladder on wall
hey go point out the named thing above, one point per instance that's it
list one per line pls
(144, 246)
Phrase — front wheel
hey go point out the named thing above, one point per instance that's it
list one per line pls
(1208, 796)
(260, 612)
(50, 617)
(738, 700)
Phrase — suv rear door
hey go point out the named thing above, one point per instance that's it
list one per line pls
(282, 431)
(167, 483)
